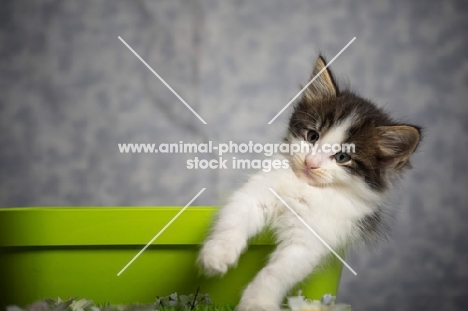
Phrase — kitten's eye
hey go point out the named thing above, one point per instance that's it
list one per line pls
(342, 157)
(312, 136)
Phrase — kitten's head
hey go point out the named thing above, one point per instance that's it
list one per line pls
(326, 118)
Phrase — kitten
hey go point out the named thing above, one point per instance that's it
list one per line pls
(340, 195)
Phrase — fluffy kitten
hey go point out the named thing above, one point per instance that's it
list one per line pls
(340, 195)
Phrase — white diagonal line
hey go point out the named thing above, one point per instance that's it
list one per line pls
(311, 81)
(160, 232)
(162, 80)
(313, 231)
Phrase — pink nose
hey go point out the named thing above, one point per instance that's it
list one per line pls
(312, 163)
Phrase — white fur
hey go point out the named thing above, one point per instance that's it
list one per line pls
(331, 203)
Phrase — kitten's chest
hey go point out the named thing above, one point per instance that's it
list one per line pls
(332, 216)
(330, 211)
(320, 205)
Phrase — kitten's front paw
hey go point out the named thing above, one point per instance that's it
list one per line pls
(217, 256)
(256, 306)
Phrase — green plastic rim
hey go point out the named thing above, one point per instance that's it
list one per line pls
(66, 252)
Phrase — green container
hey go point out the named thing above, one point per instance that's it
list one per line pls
(77, 252)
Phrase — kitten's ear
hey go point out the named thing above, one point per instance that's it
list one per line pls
(397, 143)
(324, 85)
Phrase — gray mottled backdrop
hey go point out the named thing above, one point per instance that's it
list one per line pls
(70, 91)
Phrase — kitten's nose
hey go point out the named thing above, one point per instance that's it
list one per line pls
(312, 163)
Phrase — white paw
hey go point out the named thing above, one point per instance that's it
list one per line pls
(252, 305)
(216, 256)
(259, 295)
